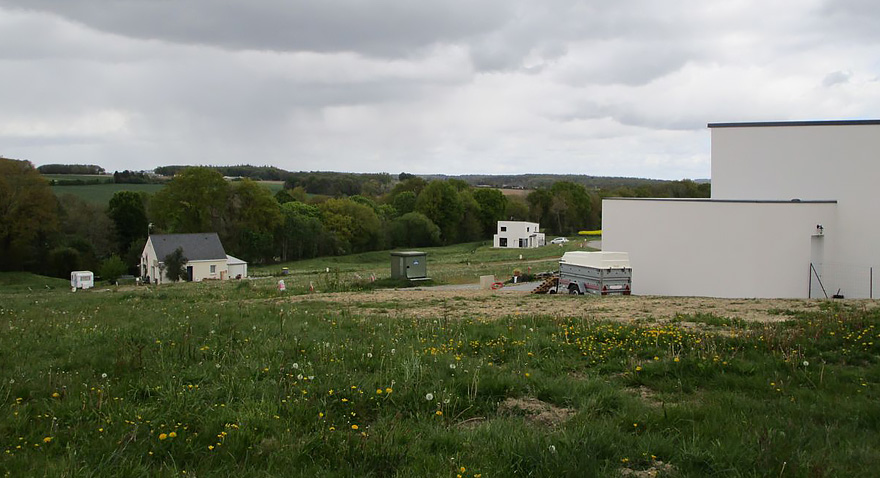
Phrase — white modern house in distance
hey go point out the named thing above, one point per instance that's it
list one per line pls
(518, 234)
(791, 216)
(206, 258)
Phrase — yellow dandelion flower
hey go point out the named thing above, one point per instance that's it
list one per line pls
(378, 391)
(354, 427)
(56, 395)
(163, 436)
(172, 435)
(438, 413)
(47, 439)
(462, 470)
(388, 390)
(210, 447)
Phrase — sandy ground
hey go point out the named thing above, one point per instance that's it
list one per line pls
(474, 303)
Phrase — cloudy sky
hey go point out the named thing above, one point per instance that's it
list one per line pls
(621, 88)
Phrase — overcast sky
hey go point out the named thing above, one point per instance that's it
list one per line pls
(621, 88)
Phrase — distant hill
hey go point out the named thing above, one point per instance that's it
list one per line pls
(534, 181)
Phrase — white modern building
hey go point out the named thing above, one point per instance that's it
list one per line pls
(790, 217)
(518, 234)
(205, 258)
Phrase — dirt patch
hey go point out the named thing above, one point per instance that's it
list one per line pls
(647, 395)
(535, 411)
(657, 468)
(485, 304)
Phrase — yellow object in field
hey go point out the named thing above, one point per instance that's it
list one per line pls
(590, 233)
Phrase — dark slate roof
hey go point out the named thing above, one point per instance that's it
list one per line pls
(196, 247)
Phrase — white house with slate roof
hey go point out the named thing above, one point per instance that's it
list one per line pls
(206, 258)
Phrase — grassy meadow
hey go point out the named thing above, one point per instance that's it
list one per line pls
(232, 379)
(102, 193)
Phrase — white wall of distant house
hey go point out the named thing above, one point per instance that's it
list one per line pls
(718, 249)
(513, 231)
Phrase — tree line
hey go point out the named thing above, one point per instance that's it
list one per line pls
(43, 234)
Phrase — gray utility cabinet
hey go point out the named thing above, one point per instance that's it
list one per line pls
(409, 265)
(601, 273)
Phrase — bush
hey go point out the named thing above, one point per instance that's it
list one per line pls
(112, 268)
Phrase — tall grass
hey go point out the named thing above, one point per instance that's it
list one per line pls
(226, 379)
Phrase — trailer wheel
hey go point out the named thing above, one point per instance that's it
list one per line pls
(552, 291)
(573, 289)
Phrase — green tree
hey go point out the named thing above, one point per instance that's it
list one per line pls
(193, 201)
(301, 234)
(62, 261)
(414, 230)
(87, 228)
(129, 214)
(405, 202)
(28, 216)
(356, 226)
(493, 205)
(175, 265)
(413, 184)
(441, 203)
(469, 226)
(570, 208)
(517, 209)
(112, 268)
(251, 218)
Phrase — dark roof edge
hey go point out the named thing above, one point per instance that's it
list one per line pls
(747, 201)
(758, 124)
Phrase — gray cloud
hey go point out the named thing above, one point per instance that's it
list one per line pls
(622, 88)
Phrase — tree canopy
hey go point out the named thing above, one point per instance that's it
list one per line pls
(28, 215)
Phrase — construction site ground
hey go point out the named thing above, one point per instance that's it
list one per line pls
(434, 302)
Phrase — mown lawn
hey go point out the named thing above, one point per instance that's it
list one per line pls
(228, 379)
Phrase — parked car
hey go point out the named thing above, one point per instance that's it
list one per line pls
(559, 240)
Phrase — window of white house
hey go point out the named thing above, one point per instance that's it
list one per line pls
(527, 228)
(503, 228)
(502, 242)
(213, 268)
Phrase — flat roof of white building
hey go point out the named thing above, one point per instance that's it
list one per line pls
(754, 124)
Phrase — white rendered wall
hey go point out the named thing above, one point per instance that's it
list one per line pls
(840, 162)
(515, 230)
(202, 269)
(716, 249)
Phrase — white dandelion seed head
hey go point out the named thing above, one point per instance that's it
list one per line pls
(299, 377)
(369, 355)
(104, 375)
(806, 363)
(429, 396)
(452, 366)
(295, 365)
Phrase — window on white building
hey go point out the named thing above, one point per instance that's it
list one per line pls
(213, 269)
(502, 242)
(503, 228)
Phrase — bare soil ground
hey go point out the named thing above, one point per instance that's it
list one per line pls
(484, 304)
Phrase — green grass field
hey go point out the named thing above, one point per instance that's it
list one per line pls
(231, 379)
(101, 193)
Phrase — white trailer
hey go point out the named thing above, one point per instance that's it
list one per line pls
(82, 280)
(601, 273)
